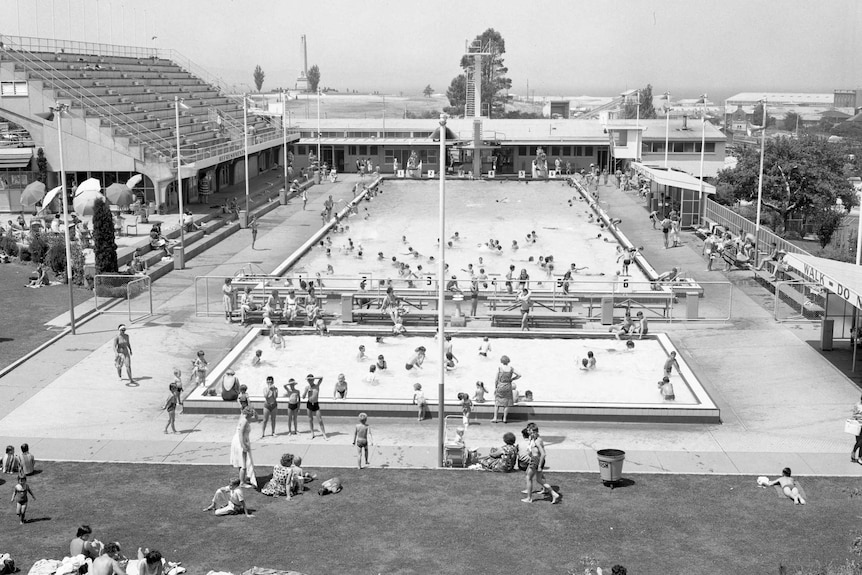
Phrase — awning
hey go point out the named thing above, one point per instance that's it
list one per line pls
(710, 167)
(841, 278)
(15, 157)
(673, 178)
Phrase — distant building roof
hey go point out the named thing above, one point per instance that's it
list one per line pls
(822, 99)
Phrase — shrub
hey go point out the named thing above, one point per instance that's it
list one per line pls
(9, 245)
(103, 239)
(37, 248)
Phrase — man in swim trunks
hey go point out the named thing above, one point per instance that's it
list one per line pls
(312, 395)
(292, 406)
(109, 562)
(270, 405)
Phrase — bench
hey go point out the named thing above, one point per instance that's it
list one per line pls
(377, 316)
(256, 315)
(805, 297)
(658, 302)
(539, 318)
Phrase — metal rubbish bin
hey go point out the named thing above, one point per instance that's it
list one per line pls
(282, 197)
(179, 258)
(317, 177)
(243, 219)
(611, 465)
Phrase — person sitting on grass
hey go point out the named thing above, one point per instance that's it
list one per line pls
(501, 460)
(789, 486)
(39, 277)
(235, 503)
(109, 562)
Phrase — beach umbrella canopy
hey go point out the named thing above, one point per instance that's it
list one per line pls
(120, 195)
(51, 196)
(87, 194)
(32, 193)
(134, 180)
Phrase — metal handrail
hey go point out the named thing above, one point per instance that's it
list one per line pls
(60, 81)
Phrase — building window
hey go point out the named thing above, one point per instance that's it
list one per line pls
(300, 150)
(388, 154)
(567, 150)
(710, 147)
(522, 151)
(555, 150)
(372, 150)
(351, 150)
(13, 89)
(588, 150)
(363, 150)
(677, 147)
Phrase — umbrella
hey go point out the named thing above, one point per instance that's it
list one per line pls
(120, 195)
(32, 194)
(134, 180)
(86, 195)
(51, 196)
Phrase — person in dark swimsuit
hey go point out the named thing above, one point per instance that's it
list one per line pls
(312, 394)
(506, 374)
(293, 401)
(123, 352)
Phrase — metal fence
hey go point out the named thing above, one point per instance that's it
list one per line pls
(733, 222)
(683, 300)
(135, 290)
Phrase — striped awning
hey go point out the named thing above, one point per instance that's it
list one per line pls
(15, 157)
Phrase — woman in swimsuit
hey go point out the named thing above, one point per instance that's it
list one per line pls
(789, 487)
(123, 352)
(535, 469)
(506, 374)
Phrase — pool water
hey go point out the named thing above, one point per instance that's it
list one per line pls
(549, 368)
(405, 217)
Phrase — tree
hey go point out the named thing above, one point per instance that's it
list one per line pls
(851, 130)
(41, 166)
(428, 91)
(104, 243)
(457, 94)
(757, 117)
(826, 221)
(801, 177)
(493, 74)
(792, 121)
(647, 110)
(313, 78)
(258, 77)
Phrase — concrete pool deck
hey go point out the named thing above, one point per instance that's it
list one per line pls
(781, 403)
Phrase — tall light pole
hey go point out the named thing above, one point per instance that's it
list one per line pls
(57, 112)
(319, 159)
(760, 187)
(666, 98)
(245, 149)
(441, 294)
(178, 103)
(284, 134)
(702, 140)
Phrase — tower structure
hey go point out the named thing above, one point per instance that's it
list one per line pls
(302, 83)
(473, 103)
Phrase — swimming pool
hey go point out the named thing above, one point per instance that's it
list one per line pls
(623, 384)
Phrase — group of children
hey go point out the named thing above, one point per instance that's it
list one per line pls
(21, 465)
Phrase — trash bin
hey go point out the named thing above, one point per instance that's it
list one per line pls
(243, 219)
(179, 258)
(317, 177)
(827, 327)
(611, 465)
(607, 311)
(282, 197)
(692, 302)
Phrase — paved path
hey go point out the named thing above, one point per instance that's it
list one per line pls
(782, 404)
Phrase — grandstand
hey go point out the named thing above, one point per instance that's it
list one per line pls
(122, 117)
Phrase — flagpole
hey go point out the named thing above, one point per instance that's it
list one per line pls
(757, 243)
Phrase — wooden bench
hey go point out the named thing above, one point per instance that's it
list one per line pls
(538, 318)
(660, 302)
(378, 316)
(810, 308)
(256, 316)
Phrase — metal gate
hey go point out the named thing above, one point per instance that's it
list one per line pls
(110, 289)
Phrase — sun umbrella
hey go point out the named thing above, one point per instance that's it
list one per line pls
(51, 196)
(89, 184)
(32, 193)
(85, 202)
(120, 195)
(134, 181)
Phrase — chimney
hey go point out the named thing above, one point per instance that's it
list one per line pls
(685, 122)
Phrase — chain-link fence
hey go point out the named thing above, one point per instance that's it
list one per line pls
(136, 290)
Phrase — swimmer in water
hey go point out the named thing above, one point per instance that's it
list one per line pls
(514, 245)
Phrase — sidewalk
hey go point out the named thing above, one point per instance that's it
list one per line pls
(759, 372)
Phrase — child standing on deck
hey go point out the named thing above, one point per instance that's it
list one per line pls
(419, 400)
(362, 438)
(466, 408)
(171, 407)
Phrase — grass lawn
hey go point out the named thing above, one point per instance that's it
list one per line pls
(25, 311)
(420, 521)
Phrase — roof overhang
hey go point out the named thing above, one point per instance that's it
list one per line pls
(673, 178)
(841, 278)
(15, 157)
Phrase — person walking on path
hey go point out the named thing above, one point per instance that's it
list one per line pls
(253, 226)
(856, 452)
(19, 497)
(535, 470)
(123, 353)
(240, 449)
(270, 406)
(506, 374)
(312, 394)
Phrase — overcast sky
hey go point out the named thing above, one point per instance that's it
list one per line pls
(558, 47)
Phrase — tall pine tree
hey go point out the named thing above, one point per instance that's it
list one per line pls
(104, 243)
